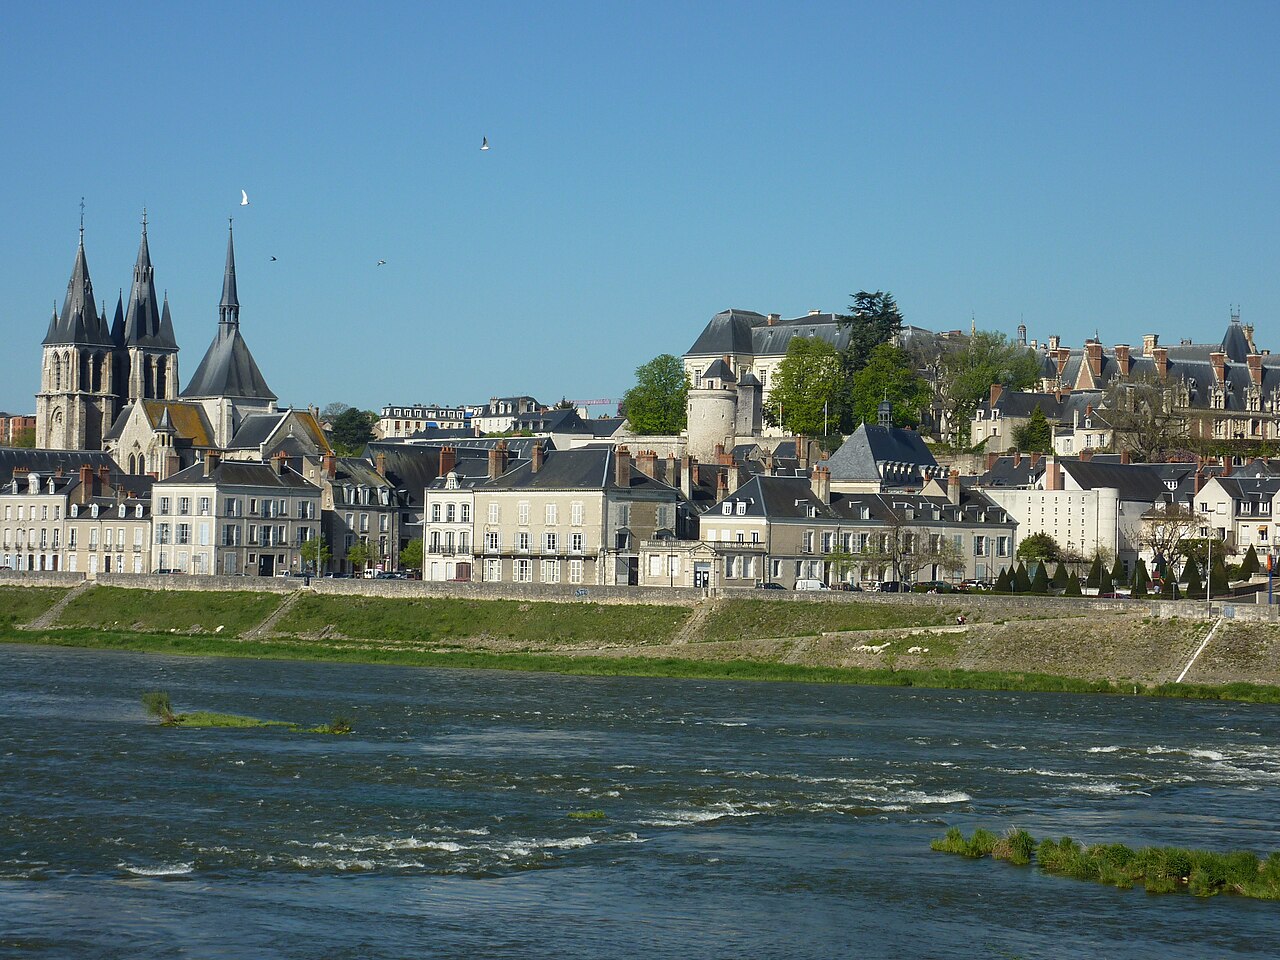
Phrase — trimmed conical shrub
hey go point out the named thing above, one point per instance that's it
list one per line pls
(1021, 582)
(1004, 582)
(1140, 579)
(1073, 586)
(1118, 577)
(1218, 580)
(1249, 565)
(1192, 575)
(1040, 582)
(1095, 572)
(1060, 576)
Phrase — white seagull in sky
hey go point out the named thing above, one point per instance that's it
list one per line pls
(244, 199)
(484, 143)
(381, 263)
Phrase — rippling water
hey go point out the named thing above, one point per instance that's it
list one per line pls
(762, 820)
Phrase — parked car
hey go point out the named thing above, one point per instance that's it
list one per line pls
(811, 585)
(166, 571)
(771, 585)
(850, 587)
(893, 586)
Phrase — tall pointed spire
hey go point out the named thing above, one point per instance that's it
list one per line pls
(79, 322)
(117, 325)
(143, 326)
(229, 307)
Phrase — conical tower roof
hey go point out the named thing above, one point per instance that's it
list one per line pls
(117, 324)
(79, 323)
(143, 326)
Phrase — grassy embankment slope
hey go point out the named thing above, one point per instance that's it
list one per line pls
(874, 643)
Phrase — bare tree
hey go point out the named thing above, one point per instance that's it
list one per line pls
(1166, 526)
(1144, 419)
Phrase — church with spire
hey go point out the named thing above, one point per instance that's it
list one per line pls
(116, 388)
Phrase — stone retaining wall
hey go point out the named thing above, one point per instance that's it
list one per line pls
(40, 578)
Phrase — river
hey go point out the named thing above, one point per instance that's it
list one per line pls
(762, 820)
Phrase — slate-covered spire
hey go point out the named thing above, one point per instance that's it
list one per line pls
(166, 323)
(143, 326)
(117, 325)
(229, 307)
(79, 323)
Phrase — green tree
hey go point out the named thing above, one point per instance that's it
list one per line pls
(1034, 436)
(965, 377)
(352, 431)
(805, 387)
(25, 439)
(1249, 565)
(1191, 574)
(411, 555)
(316, 553)
(1140, 579)
(1060, 576)
(873, 319)
(1096, 571)
(1021, 582)
(358, 555)
(1040, 582)
(1073, 587)
(159, 706)
(1117, 573)
(1004, 582)
(655, 406)
(1219, 582)
(1039, 546)
(888, 375)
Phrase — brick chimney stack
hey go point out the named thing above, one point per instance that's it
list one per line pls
(722, 485)
(172, 464)
(802, 451)
(1219, 361)
(278, 462)
(1227, 466)
(329, 465)
(622, 467)
(673, 469)
(992, 459)
(773, 319)
(380, 463)
(211, 462)
(1052, 474)
(1255, 368)
(953, 486)
(647, 463)
(1035, 460)
(1125, 457)
(448, 460)
(820, 482)
(498, 460)
(1199, 478)
(996, 390)
(535, 457)
(1093, 353)
(1123, 361)
(1161, 355)
(1086, 456)
(85, 493)
(104, 479)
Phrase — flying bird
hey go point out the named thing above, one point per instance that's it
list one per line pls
(381, 263)
(484, 143)
(273, 259)
(244, 199)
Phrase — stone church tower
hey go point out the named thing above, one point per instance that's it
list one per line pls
(148, 350)
(78, 393)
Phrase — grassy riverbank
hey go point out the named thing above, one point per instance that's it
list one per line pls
(280, 648)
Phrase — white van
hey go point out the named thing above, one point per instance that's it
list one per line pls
(811, 585)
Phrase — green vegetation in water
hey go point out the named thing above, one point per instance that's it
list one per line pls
(281, 648)
(160, 706)
(586, 815)
(203, 611)
(20, 605)
(1203, 873)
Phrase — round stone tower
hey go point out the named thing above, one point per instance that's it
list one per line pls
(712, 411)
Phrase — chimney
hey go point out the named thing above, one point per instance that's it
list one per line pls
(1017, 458)
(1227, 466)
(211, 462)
(1093, 352)
(59, 472)
(84, 494)
(673, 470)
(622, 467)
(992, 459)
(1149, 343)
(1061, 359)
(329, 465)
(1055, 342)
(278, 462)
(172, 464)
(1086, 455)
(953, 486)
(498, 459)
(380, 462)
(1088, 409)
(1199, 479)
(773, 319)
(820, 481)
(996, 390)
(725, 459)
(1255, 368)
(535, 457)
(722, 485)
(1122, 359)
(647, 463)
(802, 451)
(1052, 474)
(686, 476)
(1161, 355)
(1219, 361)
(1125, 458)
(1035, 461)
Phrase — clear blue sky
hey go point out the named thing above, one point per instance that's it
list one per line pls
(1109, 166)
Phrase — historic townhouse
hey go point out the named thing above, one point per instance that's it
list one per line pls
(109, 535)
(222, 517)
(1238, 509)
(33, 507)
(359, 505)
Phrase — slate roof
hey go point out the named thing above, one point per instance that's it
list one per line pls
(859, 456)
(1252, 489)
(46, 462)
(1134, 481)
(228, 369)
(79, 323)
(552, 421)
(1011, 472)
(146, 323)
(411, 467)
(729, 331)
(235, 473)
(586, 468)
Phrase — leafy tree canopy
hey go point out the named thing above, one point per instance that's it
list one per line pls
(1034, 436)
(888, 375)
(334, 410)
(309, 550)
(806, 386)
(411, 555)
(966, 375)
(655, 406)
(359, 554)
(1039, 546)
(873, 319)
(352, 430)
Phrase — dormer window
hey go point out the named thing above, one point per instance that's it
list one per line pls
(742, 508)
(726, 508)
(120, 512)
(75, 510)
(137, 511)
(93, 511)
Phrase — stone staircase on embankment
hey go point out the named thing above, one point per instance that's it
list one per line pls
(266, 627)
(49, 618)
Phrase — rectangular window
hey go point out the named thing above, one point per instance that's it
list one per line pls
(162, 533)
(550, 571)
(164, 505)
(93, 538)
(493, 513)
(204, 506)
(808, 541)
(492, 541)
(253, 533)
(524, 571)
(184, 505)
(575, 571)
(553, 514)
(575, 513)
(979, 546)
(383, 522)
(71, 538)
(1002, 546)
(549, 542)
(523, 513)
(522, 542)
(576, 542)
(493, 571)
(184, 533)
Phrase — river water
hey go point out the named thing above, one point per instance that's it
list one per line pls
(743, 820)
